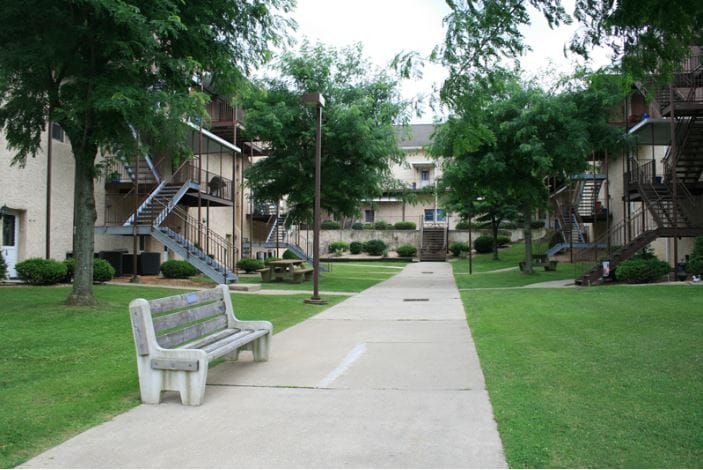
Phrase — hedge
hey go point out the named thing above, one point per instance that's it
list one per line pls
(405, 225)
(337, 247)
(40, 271)
(329, 225)
(640, 270)
(178, 269)
(289, 255)
(102, 270)
(458, 247)
(483, 244)
(406, 251)
(249, 265)
(356, 247)
(375, 247)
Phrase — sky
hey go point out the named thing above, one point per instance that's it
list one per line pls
(387, 27)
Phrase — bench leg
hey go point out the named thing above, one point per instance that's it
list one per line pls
(260, 348)
(150, 387)
(233, 356)
(191, 385)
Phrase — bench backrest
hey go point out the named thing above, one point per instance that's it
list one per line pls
(180, 319)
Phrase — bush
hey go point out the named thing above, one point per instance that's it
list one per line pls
(268, 260)
(381, 225)
(463, 225)
(249, 265)
(502, 241)
(406, 251)
(103, 271)
(289, 255)
(367, 226)
(177, 269)
(639, 270)
(375, 247)
(483, 244)
(457, 247)
(329, 225)
(357, 226)
(356, 247)
(40, 271)
(694, 267)
(3, 267)
(405, 225)
(338, 247)
(697, 248)
(508, 225)
(537, 224)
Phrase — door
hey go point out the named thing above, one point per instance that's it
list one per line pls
(10, 237)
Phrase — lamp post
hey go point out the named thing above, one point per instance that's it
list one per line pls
(318, 101)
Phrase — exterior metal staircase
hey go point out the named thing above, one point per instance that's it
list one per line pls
(278, 232)
(588, 188)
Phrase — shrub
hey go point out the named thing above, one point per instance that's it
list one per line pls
(537, 224)
(694, 267)
(375, 247)
(357, 226)
(406, 251)
(329, 225)
(639, 270)
(177, 269)
(502, 240)
(338, 247)
(381, 225)
(289, 255)
(40, 271)
(457, 247)
(483, 244)
(268, 260)
(249, 265)
(463, 225)
(3, 267)
(356, 247)
(508, 225)
(697, 248)
(367, 226)
(405, 225)
(103, 271)
(504, 233)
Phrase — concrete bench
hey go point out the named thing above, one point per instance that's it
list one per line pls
(177, 337)
(266, 273)
(299, 275)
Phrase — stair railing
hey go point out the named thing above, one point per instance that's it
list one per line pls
(208, 242)
(618, 237)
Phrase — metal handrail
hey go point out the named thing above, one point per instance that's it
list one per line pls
(209, 242)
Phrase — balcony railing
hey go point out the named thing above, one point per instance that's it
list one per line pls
(210, 183)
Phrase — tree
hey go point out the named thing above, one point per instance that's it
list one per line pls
(102, 68)
(526, 135)
(358, 139)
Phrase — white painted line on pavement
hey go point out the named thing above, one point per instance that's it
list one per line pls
(343, 366)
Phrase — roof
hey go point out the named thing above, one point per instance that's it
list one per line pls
(414, 136)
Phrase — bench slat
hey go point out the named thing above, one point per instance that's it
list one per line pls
(196, 331)
(166, 322)
(203, 342)
(184, 300)
(167, 364)
(229, 346)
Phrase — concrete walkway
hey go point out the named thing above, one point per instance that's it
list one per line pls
(387, 378)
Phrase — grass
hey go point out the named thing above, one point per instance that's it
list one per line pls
(596, 377)
(490, 273)
(342, 277)
(65, 369)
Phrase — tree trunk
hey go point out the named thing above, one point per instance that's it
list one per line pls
(85, 216)
(527, 233)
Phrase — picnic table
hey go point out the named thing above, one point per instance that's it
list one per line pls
(289, 270)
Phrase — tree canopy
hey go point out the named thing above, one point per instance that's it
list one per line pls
(358, 139)
(527, 135)
(100, 68)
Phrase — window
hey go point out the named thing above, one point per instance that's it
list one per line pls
(8, 230)
(435, 215)
(369, 216)
(425, 175)
(56, 132)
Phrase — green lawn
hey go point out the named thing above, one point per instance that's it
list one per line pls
(504, 272)
(594, 377)
(342, 277)
(65, 369)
